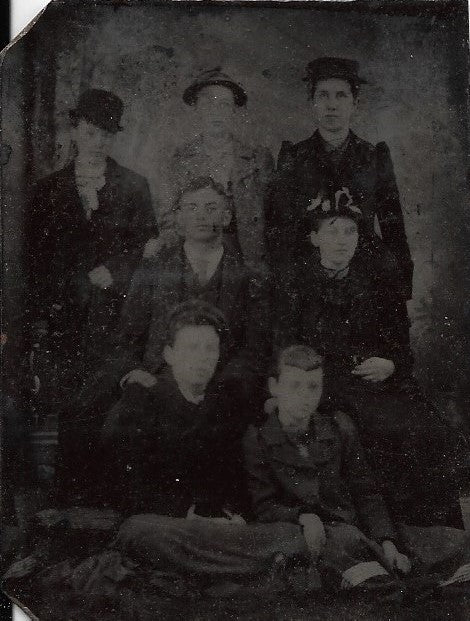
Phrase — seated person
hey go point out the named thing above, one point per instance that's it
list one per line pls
(342, 304)
(306, 466)
(203, 267)
(177, 444)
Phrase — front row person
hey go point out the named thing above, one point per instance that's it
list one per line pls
(306, 466)
(343, 304)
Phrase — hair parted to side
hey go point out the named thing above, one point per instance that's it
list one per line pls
(195, 312)
(200, 183)
(300, 357)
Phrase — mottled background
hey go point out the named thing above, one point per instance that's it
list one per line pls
(417, 68)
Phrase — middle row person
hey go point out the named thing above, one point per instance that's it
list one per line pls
(202, 265)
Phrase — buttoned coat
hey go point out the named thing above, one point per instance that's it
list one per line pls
(159, 285)
(63, 246)
(334, 481)
(305, 168)
(252, 170)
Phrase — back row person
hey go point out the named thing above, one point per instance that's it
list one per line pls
(335, 155)
(85, 229)
(243, 171)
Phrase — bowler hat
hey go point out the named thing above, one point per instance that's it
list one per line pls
(331, 67)
(101, 108)
(214, 77)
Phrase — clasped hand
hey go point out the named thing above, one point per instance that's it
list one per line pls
(374, 369)
(100, 277)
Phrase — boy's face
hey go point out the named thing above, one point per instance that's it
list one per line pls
(92, 142)
(333, 104)
(336, 239)
(194, 355)
(203, 215)
(298, 393)
(216, 108)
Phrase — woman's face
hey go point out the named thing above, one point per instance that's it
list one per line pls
(333, 105)
(336, 239)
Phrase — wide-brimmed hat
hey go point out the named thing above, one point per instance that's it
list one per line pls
(331, 67)
(214, 77)
(101, 108)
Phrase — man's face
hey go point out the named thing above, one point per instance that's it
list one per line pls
(203, 215)
(216, 108)
(194, 355)
(298, 393)
(92, 142)
(336, 240)
(333, 105)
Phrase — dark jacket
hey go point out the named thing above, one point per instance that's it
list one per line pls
(334, 481)
(357, 317)
(167, 280)
(172, 453)
(63, 246)
(367, 170)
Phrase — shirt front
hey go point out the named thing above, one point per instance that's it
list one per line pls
(205, 264)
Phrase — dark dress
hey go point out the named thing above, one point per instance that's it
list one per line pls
(366, 170)
(355, 318)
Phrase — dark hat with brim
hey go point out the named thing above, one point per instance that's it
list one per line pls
(101, 108)
(329, 67)
(214, 77)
